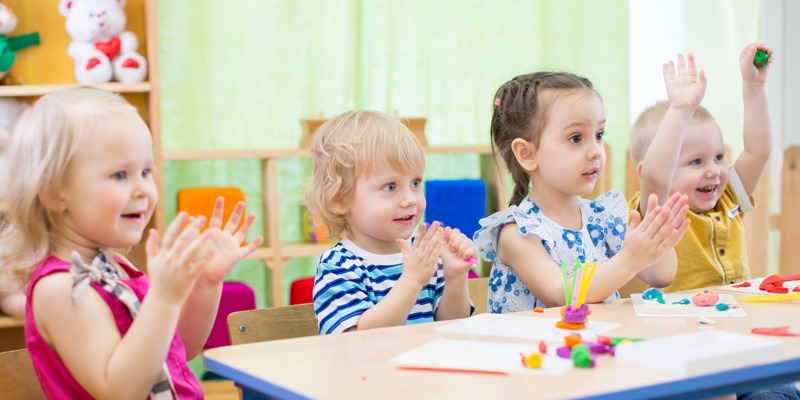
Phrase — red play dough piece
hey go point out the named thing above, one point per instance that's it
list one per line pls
(542, 347)
(777, 281)
(776, 289)
(743, 284)
(774, 331)
(796, 289)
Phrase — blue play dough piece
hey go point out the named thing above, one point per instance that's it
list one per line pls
(722, 306)
(684, 301)
(654, 294)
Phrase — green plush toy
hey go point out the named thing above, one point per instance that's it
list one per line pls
(9, 45)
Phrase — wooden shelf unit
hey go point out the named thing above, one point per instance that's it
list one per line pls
(47, 68)
(276, 254)
(41, 90)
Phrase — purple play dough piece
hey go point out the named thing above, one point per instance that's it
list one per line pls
(596, 348)
(564, 352)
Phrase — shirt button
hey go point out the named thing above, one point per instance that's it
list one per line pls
(722, 252)
(717, 217)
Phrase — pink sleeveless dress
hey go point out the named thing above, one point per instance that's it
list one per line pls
(56, 381)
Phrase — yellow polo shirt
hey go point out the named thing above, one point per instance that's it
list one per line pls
(712, 252)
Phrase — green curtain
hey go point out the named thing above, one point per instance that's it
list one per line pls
(241, 74)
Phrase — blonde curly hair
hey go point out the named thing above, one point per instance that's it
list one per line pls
(349, 146)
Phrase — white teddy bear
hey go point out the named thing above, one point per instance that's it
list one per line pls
(101, 47)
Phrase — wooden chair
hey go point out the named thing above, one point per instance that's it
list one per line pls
(478, 293)
(17, 377)
(272, 324)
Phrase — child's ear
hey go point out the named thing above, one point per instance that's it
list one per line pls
(338, 206)
(639, 169)
(52, 201)
(525, 154)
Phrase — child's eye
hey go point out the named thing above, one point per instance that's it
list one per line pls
(719, 157)
(390, 187)
(575, 138)
(146, 172)
(599, 136)
(416, 183)
(695, 162)
(119, 175)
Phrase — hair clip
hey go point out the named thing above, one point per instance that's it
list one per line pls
(497, 102)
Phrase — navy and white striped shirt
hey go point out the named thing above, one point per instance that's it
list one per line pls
(351, 280)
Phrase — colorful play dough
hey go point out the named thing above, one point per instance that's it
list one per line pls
(705, 299)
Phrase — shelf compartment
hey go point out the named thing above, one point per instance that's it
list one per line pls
(40, 90)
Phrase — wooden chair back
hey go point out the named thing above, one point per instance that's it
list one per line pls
(478, 292)
(272, 324)
(17, 377)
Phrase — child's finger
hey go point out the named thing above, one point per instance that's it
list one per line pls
(701, 81)
(636, 219)
(652, 202)
(680, 216)
(433, 256)
(235, 218)
(656, 223)
(193, 255)
(189, 234)
(251, 247)
(681, 65)
(672, 200)
(691, 69)
(669, 71)
(174, 229)
(421, 229)
(433, 241)
(216, 215)
(431, 230)
(404, 248)
(151, 246)
(241, 234)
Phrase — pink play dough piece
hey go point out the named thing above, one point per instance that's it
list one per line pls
(705, 299)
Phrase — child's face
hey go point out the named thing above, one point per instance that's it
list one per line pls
(109, 193)
(570, 156)
(701, 173)
(387, 205)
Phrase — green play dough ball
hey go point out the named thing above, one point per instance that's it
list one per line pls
(761, 58)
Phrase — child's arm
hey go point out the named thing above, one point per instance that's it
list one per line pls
(757, 122)
(455, 298)
(645, 244)
(200, 309)
(685, 91)
(86, 336)
(419, 265)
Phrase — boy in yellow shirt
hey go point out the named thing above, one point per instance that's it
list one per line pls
(678, 147)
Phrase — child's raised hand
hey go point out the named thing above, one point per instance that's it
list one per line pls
(686, 88)
(420, 263)
(225, 243)
(175, 266)
(751, 74)
(649, 239)
(455, 254)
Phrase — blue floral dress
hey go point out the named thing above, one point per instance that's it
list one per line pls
(605, 222)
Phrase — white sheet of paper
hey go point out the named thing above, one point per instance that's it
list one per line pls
(523, 327)
(754, 283)
(481, 356)
(692, 311)
(701, 352)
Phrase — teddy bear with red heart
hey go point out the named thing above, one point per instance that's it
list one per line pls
(101, 47)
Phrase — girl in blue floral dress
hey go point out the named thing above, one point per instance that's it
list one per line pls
(548, 128)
